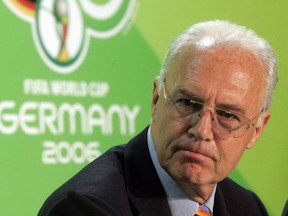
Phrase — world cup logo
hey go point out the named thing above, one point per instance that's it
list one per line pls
(61, 38)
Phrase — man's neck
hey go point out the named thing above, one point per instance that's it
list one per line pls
(199, 194)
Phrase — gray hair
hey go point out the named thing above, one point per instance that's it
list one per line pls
(225, 33)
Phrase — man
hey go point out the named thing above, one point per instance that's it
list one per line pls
(209, 104)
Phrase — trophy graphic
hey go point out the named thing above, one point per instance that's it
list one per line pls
(60, 12)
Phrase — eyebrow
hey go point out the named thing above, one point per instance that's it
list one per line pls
(226, 107)
(232, 108)
(189, 94)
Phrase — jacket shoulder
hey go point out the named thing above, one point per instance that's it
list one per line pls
(100, 181)
(237, 200)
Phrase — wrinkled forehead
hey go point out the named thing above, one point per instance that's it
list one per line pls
(212, 58)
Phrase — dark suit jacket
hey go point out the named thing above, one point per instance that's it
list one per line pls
(124, 182)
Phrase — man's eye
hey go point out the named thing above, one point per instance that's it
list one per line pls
(189, 103)
(227, 115)
(185, 102)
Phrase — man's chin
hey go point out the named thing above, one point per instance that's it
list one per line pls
(191, 173)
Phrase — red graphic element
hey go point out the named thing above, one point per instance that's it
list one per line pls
(27, 7)
(28, 4)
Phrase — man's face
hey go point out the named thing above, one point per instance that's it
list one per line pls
(221, 77)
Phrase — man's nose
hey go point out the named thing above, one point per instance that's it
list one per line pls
(202, 128)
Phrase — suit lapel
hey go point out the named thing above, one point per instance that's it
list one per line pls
(220, 208)
(144, 188)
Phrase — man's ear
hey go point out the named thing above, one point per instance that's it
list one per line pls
(258, 130)
(155, 98)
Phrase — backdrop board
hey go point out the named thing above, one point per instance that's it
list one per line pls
(77, 77)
